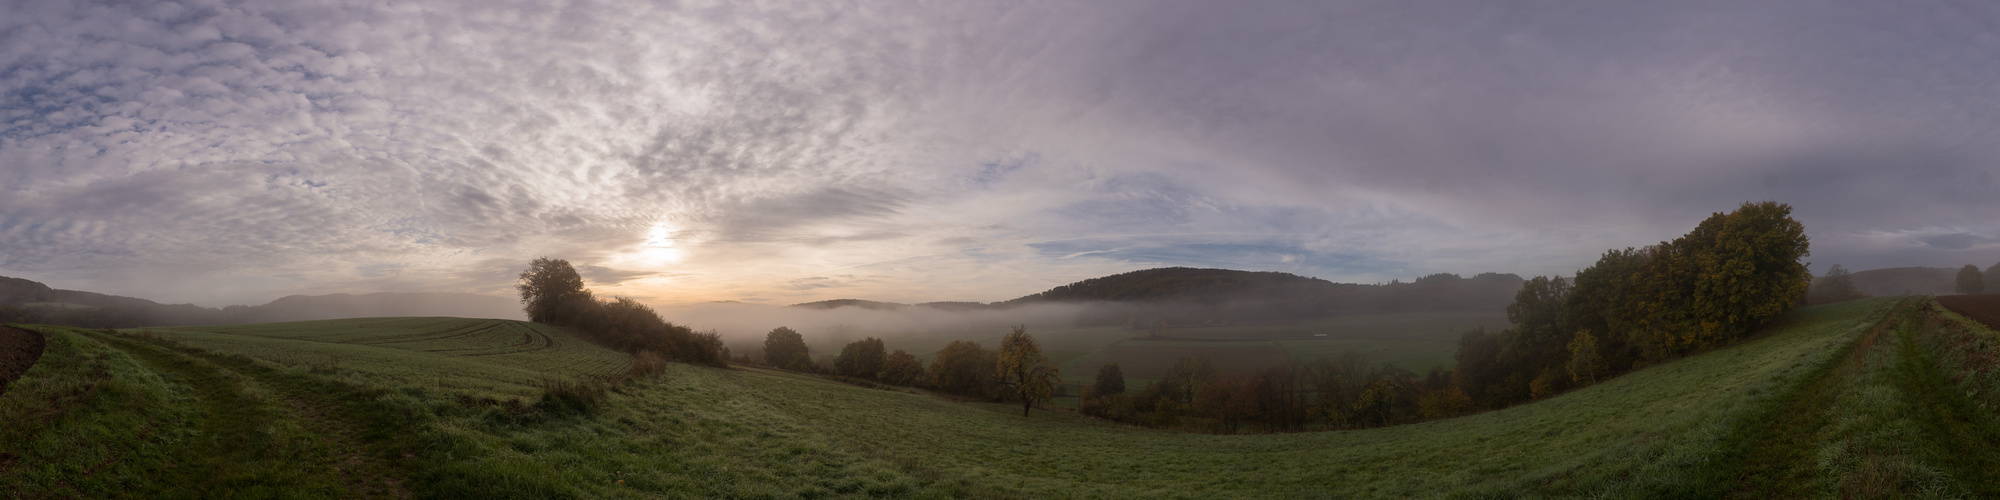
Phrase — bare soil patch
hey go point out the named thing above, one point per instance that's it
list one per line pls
(1981, 308)
(19, 349)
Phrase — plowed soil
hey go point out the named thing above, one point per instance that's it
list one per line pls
(1981, 308)
(18, 350)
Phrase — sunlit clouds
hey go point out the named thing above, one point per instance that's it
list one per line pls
(783, 152)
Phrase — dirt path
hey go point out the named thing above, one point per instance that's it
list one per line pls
(19, 349)
(258, 429)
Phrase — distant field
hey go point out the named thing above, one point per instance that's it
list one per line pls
(702, 432)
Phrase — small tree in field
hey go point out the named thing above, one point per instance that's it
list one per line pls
(1970, 280)
(1110, 380)
(785, 348)
(547, 287)
(1023, 370)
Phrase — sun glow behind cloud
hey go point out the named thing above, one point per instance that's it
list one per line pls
(793, 151)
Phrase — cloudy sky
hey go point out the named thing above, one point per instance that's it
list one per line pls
(779, 152)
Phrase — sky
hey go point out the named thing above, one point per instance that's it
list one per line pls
(778, 152)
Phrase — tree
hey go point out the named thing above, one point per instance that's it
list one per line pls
(1752, 273)
(964, 367)
(1188, 374)
(902, 368)
(1970, 281)
(1992, 278)
(1540, 314)
(1023, 371)
(785, 348)
(547, 286)
(1584, 362)
(862, 359)
(1225, 402)
(1443, 403)
(1835, 286)
(1110, 380)
(1276, 392)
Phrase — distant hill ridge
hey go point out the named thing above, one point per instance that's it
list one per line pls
(1196, 295)
(29, 301)
(1906, 281)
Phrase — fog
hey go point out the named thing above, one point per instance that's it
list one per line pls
(742, 324)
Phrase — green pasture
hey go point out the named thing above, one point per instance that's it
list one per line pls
(744, 433)
(483, 357)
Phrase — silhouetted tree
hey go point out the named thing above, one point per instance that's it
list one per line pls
(785, 348)
(1023, 371)
(547, 287)
(1970, 281)
(862, 358)
(1110, 380)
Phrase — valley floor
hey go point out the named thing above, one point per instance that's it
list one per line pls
(1853, 399)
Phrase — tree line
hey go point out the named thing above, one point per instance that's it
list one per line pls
(1017, 371)
(1634, 307)
(552, 293)
(1327, 393)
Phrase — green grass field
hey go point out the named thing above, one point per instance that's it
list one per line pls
(384, 424)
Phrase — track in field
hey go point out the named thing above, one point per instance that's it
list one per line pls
(516, 344)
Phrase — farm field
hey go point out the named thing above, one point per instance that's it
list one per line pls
(705, 432)
(1982, 308)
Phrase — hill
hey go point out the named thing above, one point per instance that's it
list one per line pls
(341, 305)
(1906, 281)
(1694, 427)
(28, 301)
(1188, 296)
(1191, 296)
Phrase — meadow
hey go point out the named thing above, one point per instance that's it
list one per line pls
(130, 410)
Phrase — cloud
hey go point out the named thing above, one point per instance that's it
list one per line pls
(227, 153)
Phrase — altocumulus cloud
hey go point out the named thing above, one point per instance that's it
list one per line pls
(226, 152)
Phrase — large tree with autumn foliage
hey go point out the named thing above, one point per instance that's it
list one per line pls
(1024, 372)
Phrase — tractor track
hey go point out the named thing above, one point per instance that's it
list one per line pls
(235, 439)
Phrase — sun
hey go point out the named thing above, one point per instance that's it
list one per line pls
(659, 248)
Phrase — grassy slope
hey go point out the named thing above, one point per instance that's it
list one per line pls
(481, 357)
(1639, 433)
(742, 433)
(101, 416)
